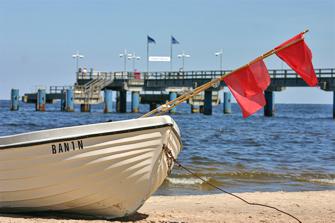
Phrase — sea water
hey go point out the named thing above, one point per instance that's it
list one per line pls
(292, 151)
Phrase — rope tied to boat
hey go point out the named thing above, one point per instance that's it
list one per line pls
(170, 159)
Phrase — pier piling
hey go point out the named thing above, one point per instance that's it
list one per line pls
(14, 100)
(62, 100)
(208, 103)
(172, 96)
(121, 101)
(69, 105)
(85, 108)
(195, 109)
(41, 100)
(153, 106)
(333, 104)
(201, 109)
(135, 101)
(269, 107)
(226, 102)
(108, 100)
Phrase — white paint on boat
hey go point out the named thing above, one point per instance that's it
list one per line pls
(106, 169)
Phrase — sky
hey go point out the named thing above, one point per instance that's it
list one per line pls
(38, 37)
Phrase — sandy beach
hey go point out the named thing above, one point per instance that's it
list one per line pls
(314, 206)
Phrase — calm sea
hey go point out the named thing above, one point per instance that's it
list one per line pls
(293, 151)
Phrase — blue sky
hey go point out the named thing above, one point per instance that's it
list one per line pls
(37, 38)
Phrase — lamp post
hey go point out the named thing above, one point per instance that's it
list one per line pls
(125, 56)
(183, 56)
(77, 56)
(219, 53)
(133, 57)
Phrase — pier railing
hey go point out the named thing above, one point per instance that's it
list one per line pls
(58, 89)
(104, 75)
(193, 75)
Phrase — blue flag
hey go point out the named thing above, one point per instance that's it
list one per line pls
(151, 40)
(174, 41)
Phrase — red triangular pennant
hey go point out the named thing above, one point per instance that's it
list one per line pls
(247, 86)
(299, 57)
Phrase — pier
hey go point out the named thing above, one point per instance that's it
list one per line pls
(155, 88)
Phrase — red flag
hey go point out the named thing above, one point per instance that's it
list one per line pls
(247, 86)
(299, 57)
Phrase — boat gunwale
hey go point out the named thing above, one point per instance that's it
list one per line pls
(24, 145)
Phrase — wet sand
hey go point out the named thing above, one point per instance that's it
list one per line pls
(314, 206)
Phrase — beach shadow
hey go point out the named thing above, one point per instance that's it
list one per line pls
(131, 218)
(66, 216)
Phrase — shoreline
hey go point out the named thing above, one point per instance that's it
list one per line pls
(308, 206)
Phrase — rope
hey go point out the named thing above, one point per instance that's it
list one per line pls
(170, 156)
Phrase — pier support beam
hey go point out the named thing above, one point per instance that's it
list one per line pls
(135, 101)
(85, 108)
(195, 109)
(14, 106)
(208, 103)
(69, 105)
(108, 101)
(121, 101)
(269, 107)
(172, 96)
(41, 100)
(62, 100)
(226, 102)
(334, 104)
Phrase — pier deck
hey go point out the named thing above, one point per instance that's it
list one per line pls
(163, 80)
(157, 87)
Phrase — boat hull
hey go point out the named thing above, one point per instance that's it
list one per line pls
(106, 170)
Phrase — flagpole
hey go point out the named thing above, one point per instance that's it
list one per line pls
(166, 107)
(147, 56)
(171, 54)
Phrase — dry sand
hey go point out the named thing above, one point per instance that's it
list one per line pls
(317, 206)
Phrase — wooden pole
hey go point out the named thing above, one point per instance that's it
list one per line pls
(171, 104)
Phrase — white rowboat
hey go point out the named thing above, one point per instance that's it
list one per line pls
(106, 170)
